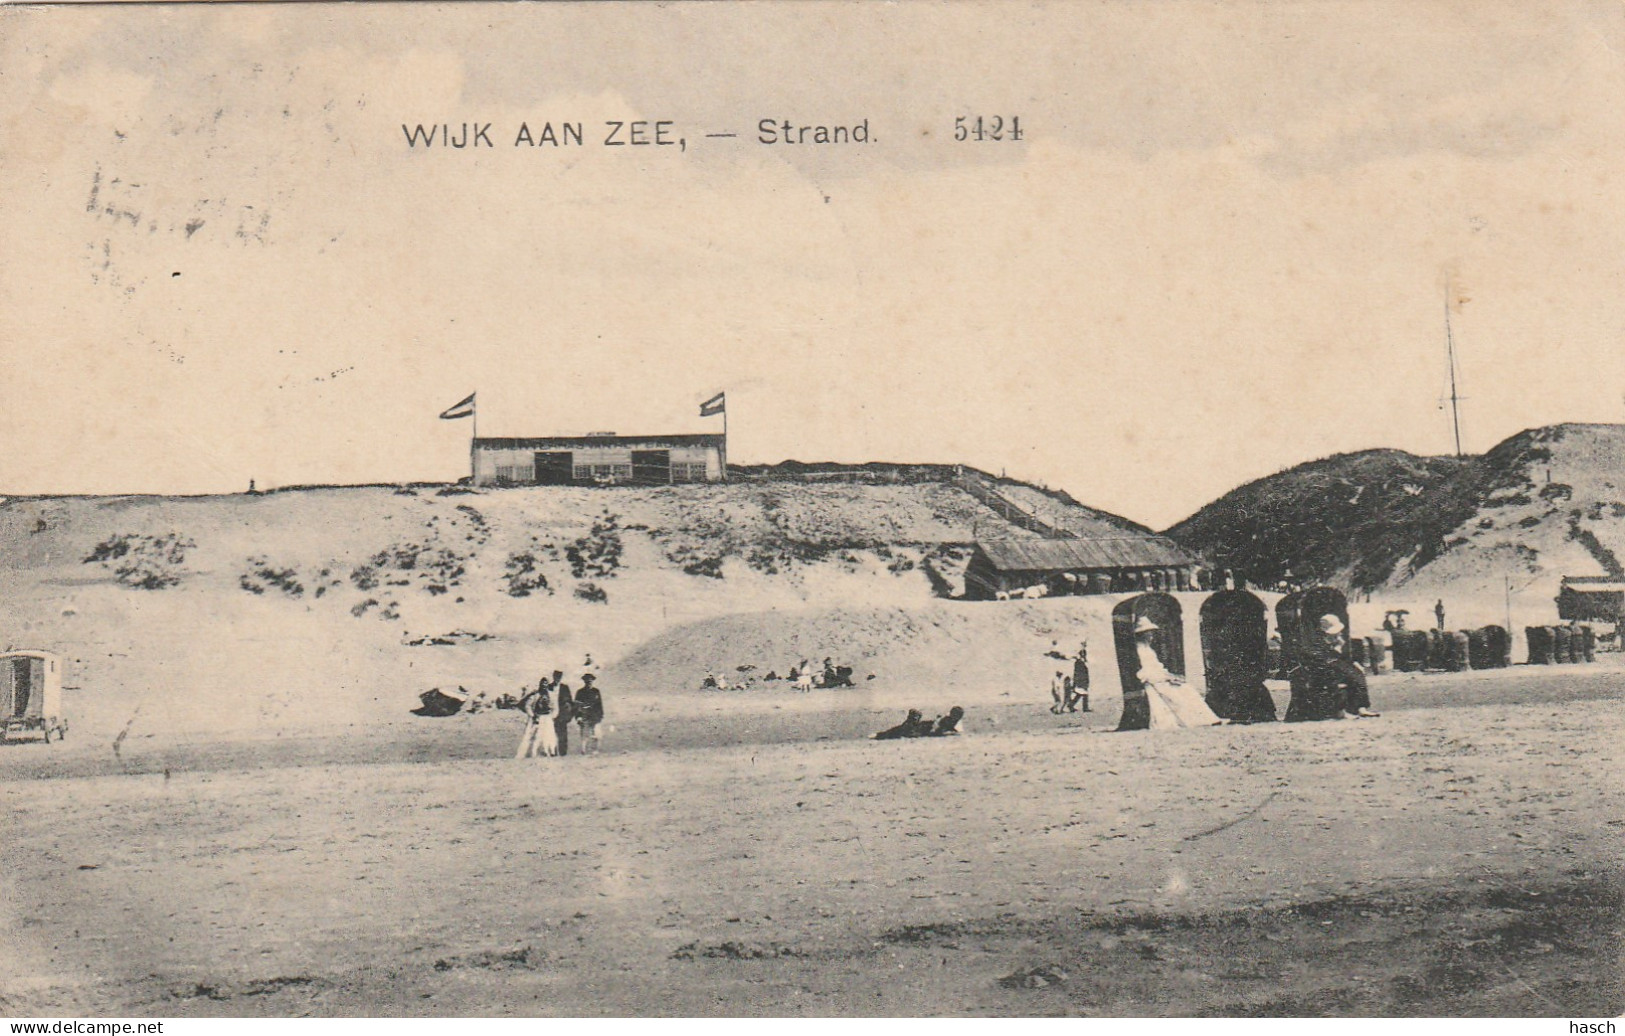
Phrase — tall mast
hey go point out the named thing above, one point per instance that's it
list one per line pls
(1450, 353)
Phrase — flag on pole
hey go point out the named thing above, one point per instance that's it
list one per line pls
(463, 409)
(711, 407)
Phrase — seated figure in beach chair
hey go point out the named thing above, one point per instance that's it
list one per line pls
(1327, 685)
(1173, 703)
(1148, 637)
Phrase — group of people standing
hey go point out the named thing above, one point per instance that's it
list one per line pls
(549, 710)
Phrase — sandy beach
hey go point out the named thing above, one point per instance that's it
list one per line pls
(1459, 856)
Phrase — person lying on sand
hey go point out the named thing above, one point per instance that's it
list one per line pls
(438, 704)
(948, 726)
(915, 725)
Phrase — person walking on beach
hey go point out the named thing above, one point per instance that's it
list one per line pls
(1060, 691)
(589, 712)
(1080, 680)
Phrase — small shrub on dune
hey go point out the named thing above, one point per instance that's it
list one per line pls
(763, 560)
(597, 554)
(710, 567)
(1556, 491)
(524, 575)
(481, 528)
(262, 576)
(143, 562)
(437, 569)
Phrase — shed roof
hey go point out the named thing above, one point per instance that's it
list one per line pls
(1045, 555)
(1593, 586)
(28, 653)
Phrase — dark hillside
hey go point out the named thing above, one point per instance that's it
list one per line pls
(1356, 513)
(1545, 502)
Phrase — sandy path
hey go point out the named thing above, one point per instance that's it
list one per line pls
(1164, 874)
(645, 722)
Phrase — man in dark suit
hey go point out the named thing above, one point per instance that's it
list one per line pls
(589, 712)
(1080, 680)
(563, 712)
(1335, 675)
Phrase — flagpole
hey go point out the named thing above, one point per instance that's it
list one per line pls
(473, 437)
(718, 404)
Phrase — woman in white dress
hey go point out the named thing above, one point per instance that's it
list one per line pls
(1174, 703)
(539, 740)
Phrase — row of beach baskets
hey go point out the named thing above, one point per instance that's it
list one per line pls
(1488, 647)
(1561, 645)
(1451, 651)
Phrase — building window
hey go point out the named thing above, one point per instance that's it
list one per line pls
(515, 474)
(604, 474)
(688, 472)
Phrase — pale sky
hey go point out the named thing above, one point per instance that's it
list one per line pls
(1220, 249)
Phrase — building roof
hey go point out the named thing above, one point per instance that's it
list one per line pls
(587, 442)
(1048, 555)
(1593, 585)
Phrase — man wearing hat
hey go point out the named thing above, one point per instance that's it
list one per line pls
(1335, 673)
(564, 712)
(1080, 679)
(589, 712)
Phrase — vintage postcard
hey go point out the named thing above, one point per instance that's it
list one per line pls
(1106, 509)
